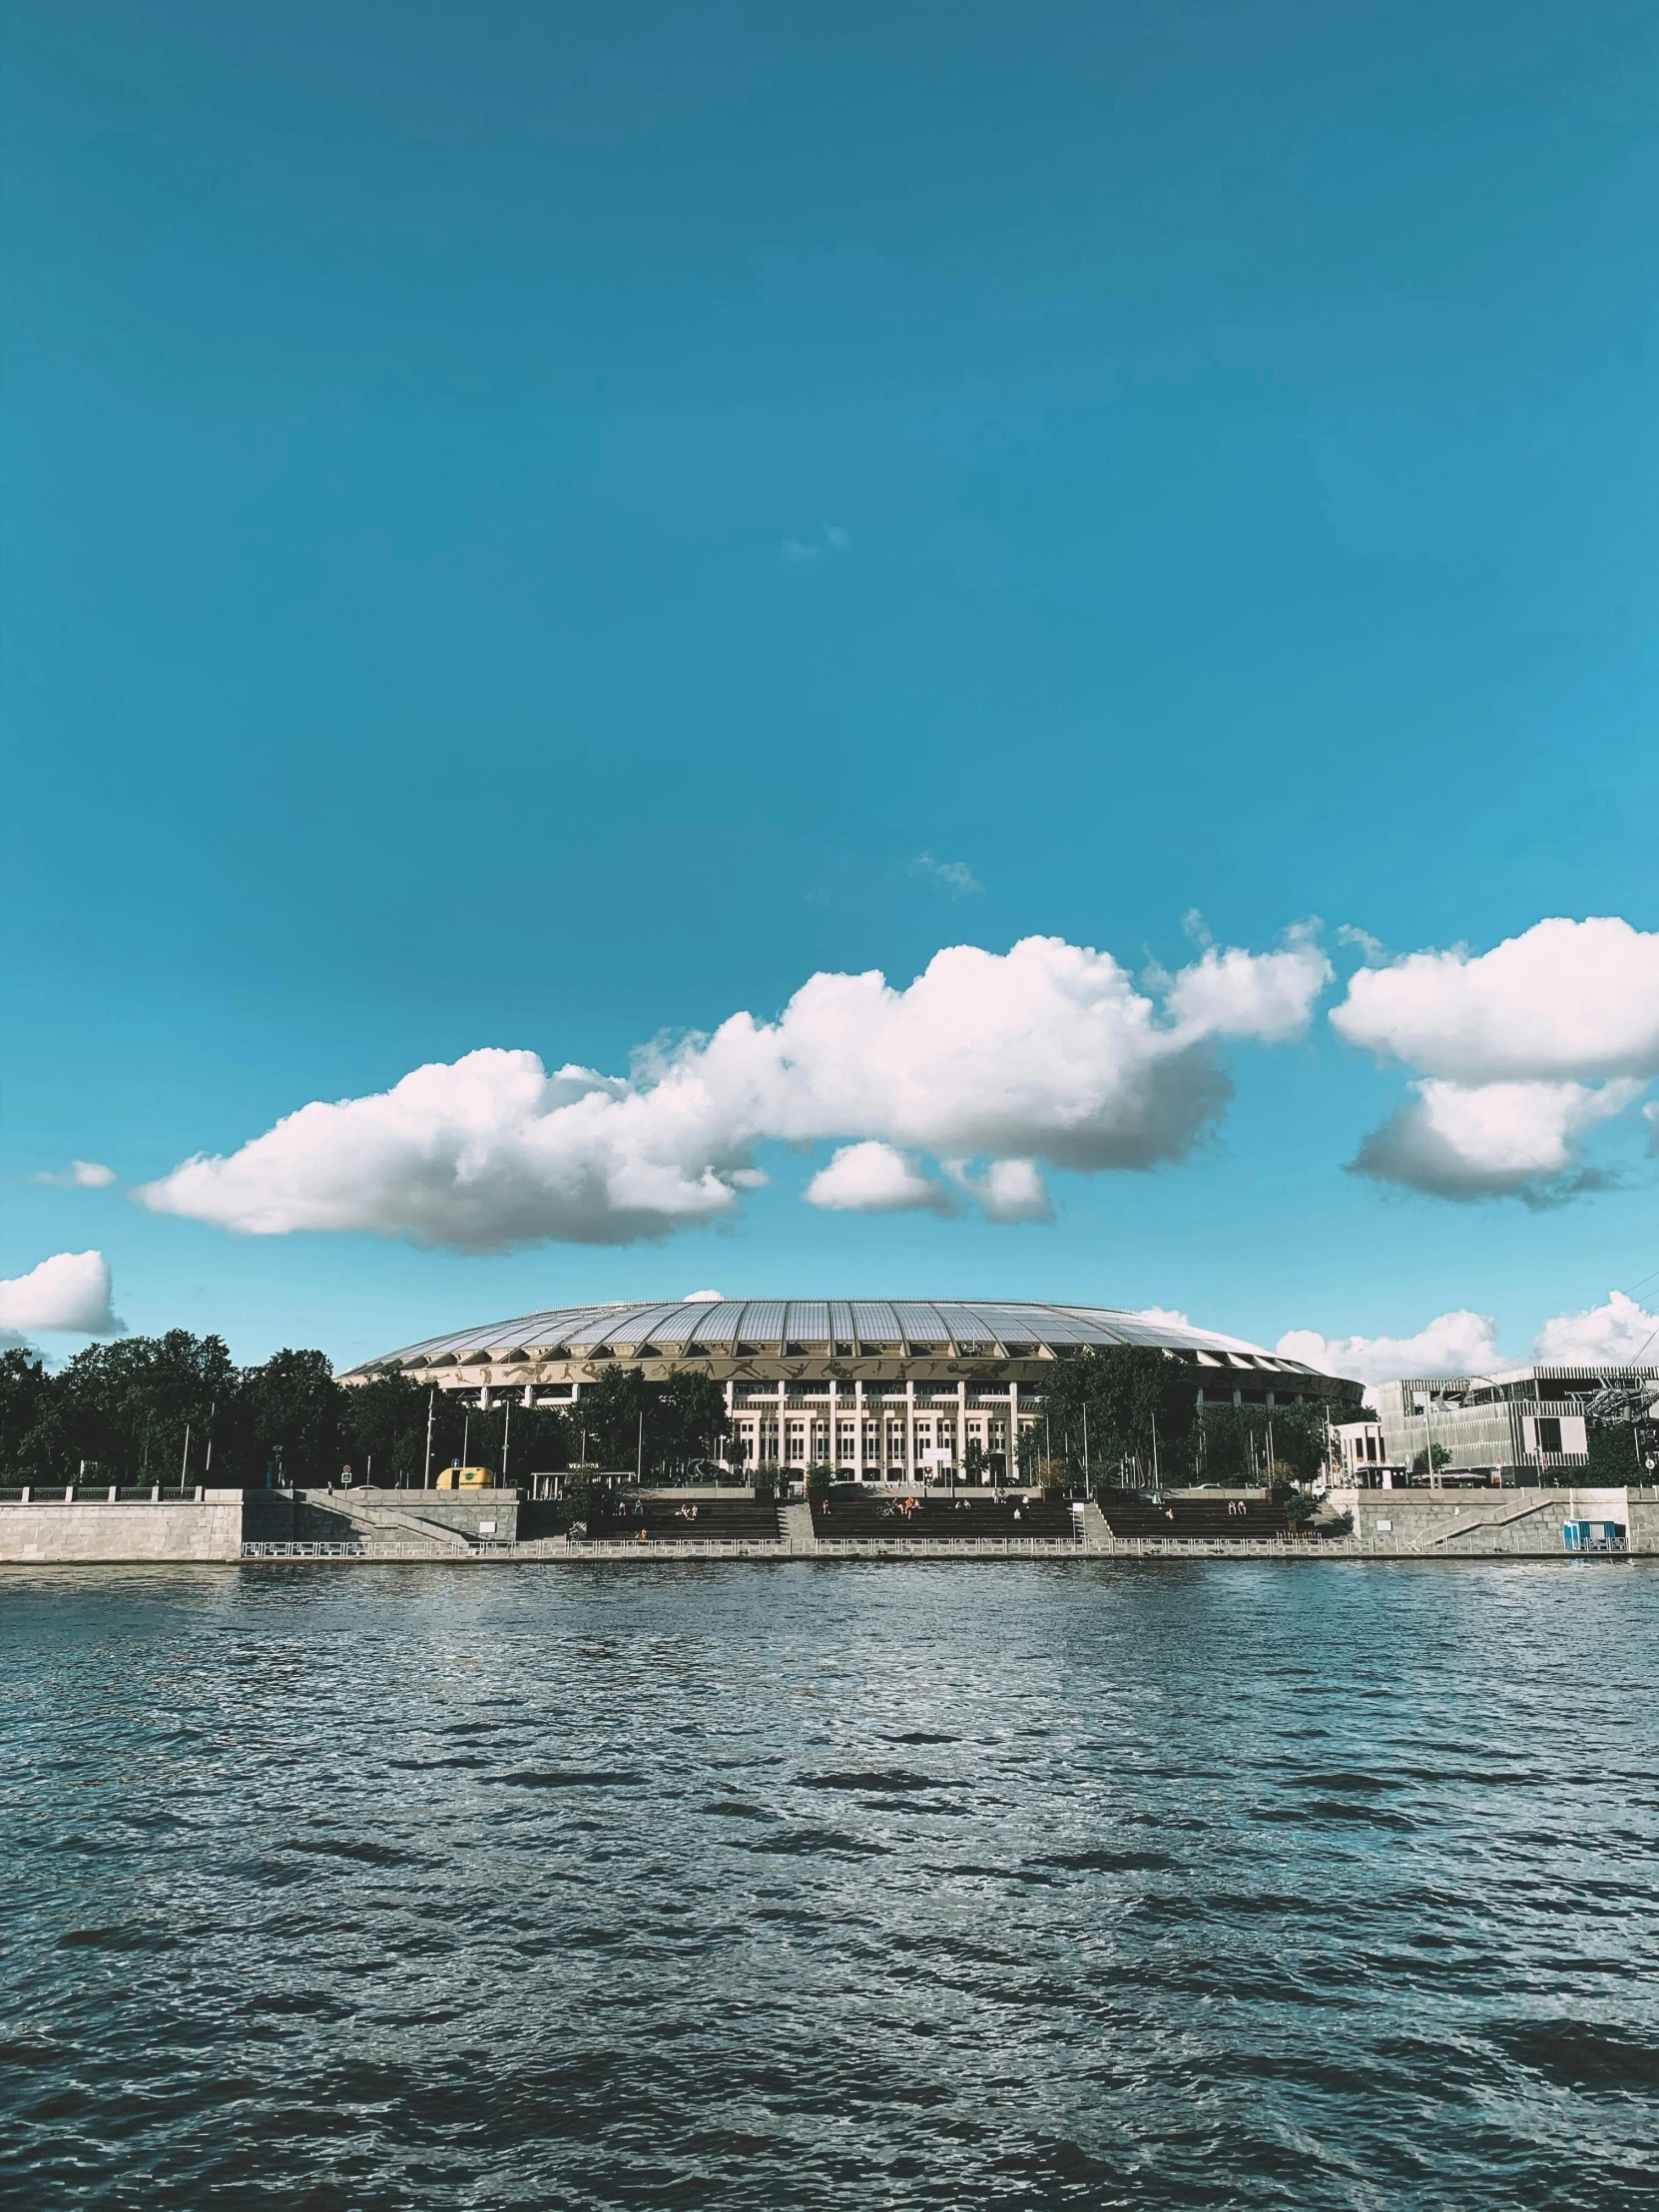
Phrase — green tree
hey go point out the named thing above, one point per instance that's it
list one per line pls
(25, 1389)
(1265, 1443)
(290, 1415)
(518, 1440)
(127, 1406)
(584, 1492)
(383, 1430)
(1441, 1457)
(1615, 1454)
(1133, 1407)
(665, 1425)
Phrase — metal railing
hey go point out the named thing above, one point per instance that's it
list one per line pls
(303, 1552)
(1228, 1547)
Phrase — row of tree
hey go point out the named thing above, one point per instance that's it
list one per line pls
(1125, 1415)
(165, 1409)
(177, 1408)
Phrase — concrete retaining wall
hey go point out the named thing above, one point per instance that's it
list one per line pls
(1430, 1524)
(1491, 1523)
(461, 1518)
(91, 1531)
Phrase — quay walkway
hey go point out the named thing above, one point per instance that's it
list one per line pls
(1577, 1525)
(562, 1549)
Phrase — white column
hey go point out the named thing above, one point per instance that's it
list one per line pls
(910, 1428)
(961, 1424)
(1012, 1474)
(858, 1419)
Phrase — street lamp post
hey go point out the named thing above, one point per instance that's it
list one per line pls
(1428, 1435)
(1492, 1386)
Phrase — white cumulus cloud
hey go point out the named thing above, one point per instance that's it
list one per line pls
(68, 1294)
(1048, 1052)
(80, 1175)
(875, 1178)
(1460, 1343)
(705, 1297)
(1517, 1053)
(1266, 995)
(1491, 1140)
(1007, 1191)
(1617, 1333)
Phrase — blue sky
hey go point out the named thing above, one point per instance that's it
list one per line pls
(525, 526)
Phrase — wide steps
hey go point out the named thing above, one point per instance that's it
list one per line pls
(1228, 1520)
(694, 1521)
(858, 1519)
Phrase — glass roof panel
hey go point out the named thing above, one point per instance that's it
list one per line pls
(875, 1319)
(967, 1324)
(677, 1325)
(820, 1321)
(719, 1325)
(640, 1324)
(1057, 1327)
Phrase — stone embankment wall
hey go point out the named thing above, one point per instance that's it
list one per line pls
(1424, 1524)
(85, 1532)
(1488, 1523)
(460, 1518)
(82, 1532)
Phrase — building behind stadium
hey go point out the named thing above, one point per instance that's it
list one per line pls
(881, 1390)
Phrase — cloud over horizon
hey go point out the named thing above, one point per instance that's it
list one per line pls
(67, 1294)
(1616, 1334)
(1458, 1342)
(1046, 1053)
(1516, 1054)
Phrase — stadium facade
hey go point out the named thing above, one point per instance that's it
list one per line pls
(882, 1391)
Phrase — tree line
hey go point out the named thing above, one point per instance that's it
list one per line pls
(148, 1410)
(178, 1408)
(1122, 1415)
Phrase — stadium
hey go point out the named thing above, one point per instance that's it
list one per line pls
(883, 1392)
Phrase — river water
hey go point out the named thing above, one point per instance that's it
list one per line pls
(1023, 1884)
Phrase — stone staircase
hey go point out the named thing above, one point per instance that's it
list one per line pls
(795, 1525)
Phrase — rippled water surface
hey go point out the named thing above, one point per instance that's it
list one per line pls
(1016, 1884)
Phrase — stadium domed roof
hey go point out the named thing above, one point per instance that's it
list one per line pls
(728, 1328)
